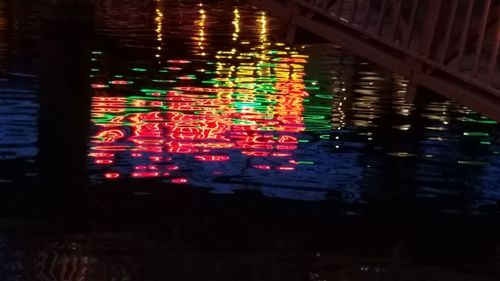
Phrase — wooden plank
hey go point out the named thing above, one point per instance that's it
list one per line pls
(430, 27)
(492, 68)
(449, 29)
(480, 42)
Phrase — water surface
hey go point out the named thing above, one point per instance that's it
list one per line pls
(205, 95)
(200, 146)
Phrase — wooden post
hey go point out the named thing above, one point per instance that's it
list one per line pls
(411, 92)
(427, 47)
(428, 40)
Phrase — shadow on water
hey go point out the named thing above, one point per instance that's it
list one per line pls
(380, 217)
(64, 114)
(240, 246)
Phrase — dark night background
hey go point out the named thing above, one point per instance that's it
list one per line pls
(185, 140)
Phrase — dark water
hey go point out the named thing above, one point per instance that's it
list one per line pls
(204, 97)
(228, 107)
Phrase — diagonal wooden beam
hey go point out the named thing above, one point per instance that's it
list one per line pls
(471, 38)
(478, 96)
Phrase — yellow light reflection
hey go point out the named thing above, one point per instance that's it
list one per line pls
(236, 24)
(159, 27)
(263, 31)
(200, 37)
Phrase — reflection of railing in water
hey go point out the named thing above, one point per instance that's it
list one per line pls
(451, 47)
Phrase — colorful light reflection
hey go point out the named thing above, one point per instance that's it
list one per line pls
(249, 105)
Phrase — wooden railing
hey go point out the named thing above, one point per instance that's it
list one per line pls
(432, 42)
(459, 37)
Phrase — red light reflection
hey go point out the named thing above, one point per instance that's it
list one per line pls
(205, 124)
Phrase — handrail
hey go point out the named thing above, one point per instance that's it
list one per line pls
(438, 34)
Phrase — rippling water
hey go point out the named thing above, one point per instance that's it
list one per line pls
(18, 105)
(190, 98)
(204, 94)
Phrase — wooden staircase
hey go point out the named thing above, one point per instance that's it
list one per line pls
(448, 46)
